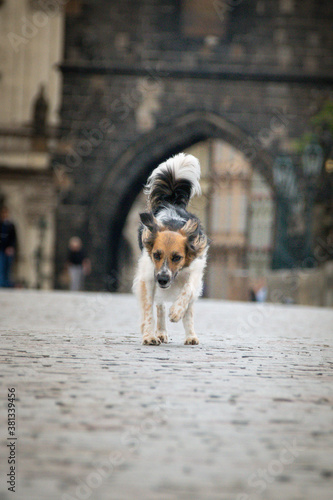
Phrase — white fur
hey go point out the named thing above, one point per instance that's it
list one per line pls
(169, 213)
(192, 275)
(189, 281)
(184, 166)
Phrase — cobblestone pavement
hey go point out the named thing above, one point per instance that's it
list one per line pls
(245, 415)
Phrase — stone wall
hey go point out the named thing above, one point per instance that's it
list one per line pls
(31, 45)
(137, 88)
(311, 287)
(31, 199)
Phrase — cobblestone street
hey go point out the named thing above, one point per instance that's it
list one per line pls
(245, 415)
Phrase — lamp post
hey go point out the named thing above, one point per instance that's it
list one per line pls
(312, 160)
(286, 192)
(284, 177)
(312, 163)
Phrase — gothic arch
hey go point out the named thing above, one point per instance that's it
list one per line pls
(125, 180)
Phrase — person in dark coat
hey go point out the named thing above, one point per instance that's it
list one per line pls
(8, 244)
(78, 264)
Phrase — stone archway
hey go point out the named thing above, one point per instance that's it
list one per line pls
(123, 183)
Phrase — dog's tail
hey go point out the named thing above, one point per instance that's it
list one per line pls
(174, 181)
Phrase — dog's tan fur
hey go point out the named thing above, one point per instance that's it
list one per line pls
(171, 243)
(167, 245)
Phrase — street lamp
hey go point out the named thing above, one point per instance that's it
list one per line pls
(312, 163)
(284, 177)
(312, 160)
(286, 193)
(329, 165)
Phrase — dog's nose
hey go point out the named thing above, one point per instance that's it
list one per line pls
(163, 279)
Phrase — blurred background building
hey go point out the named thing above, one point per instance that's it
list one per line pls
(31, 46)
(95, 93)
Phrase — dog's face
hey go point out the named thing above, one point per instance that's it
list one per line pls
(170, 251)
(168, 255)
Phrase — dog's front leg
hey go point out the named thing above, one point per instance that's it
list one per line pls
(147, 325)
(161, 332)
(190, 335)
(179, 308)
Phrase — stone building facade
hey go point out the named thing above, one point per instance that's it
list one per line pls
(31, 41)
(128, 84)
(143, 80)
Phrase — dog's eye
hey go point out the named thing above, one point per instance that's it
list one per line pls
(176, 258)
(157, 256)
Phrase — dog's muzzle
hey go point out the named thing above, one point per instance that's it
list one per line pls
(164, 280)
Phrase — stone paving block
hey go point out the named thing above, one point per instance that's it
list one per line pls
(245, 415)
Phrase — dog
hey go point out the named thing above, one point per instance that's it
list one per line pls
(174, 249)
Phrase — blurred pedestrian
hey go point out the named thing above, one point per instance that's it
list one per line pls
(261, 294)
(258, 292)
(7, 246)
(78, 264)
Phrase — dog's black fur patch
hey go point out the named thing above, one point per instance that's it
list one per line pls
(169, 190)
(172, 224)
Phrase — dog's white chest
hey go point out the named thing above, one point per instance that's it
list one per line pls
(170, 294)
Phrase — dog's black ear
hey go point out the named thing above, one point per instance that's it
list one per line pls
(149, 233)
(149, 221)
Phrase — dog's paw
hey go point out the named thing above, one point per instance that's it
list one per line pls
(193, 340)
(176, 313)
(150, 340)
(163, 336)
